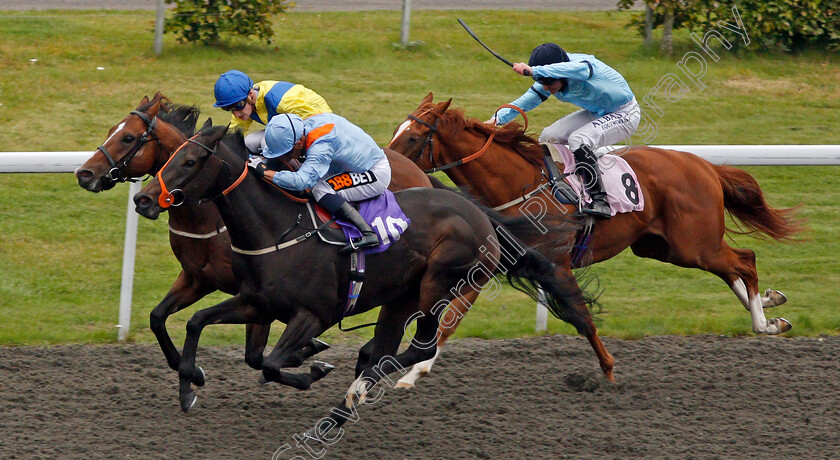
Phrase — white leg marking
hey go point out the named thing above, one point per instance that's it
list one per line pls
(418, 370)
(740, 290)
(754, 305)
(358, 389)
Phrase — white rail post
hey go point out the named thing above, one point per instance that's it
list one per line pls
(129, 253)
(542, 311)
(406, 13)
(159, 17)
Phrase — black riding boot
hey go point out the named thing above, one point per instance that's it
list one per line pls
(588, 170)
(341, 209)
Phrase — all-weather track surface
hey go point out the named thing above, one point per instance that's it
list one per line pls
(537, 398)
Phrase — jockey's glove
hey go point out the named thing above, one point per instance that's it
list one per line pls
(257, 165)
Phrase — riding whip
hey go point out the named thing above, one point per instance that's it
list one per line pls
(473, 35)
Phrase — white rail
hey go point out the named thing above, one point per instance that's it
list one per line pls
(742, 155)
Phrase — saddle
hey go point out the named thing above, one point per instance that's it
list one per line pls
(620, 182)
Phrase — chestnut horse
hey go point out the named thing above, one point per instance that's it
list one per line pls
(686, 198)
(139, 145)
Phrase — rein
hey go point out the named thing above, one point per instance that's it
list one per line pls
(115, 173)
(433, 129)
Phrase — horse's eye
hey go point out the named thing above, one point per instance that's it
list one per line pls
(128, 138)
(189, 163)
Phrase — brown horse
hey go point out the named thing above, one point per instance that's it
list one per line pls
(139, 145)
(686, 198)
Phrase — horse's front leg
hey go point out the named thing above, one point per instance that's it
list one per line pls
(303, 327)
(232, 311)
(183, 293)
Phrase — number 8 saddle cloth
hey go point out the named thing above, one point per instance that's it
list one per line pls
(620, 183)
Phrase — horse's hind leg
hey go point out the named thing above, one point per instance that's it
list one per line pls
(737, 268)
(742, 278)
(587, 327)
(448, 323)
(183, 293)
(384, 360)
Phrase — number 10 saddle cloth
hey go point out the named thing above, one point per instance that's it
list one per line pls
(623, 191)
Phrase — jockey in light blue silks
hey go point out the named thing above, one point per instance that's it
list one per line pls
(249, 102)
(343, 163)
(609, 112)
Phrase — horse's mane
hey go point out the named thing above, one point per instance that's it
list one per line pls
(235, 141)
(182, 117)
(511, 135)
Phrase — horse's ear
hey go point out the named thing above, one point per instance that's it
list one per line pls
(208, 123)
(427, 99)
(155, 108)
(441, 108)
(216, 137)
(143, 101)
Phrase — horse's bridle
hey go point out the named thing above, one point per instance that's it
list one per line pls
(429, 141)
(430, 137)
(115, 174)
(176, 196)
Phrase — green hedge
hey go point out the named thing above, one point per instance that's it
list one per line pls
(790, 25)
(205, 21)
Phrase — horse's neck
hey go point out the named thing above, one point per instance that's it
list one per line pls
(170, 139)
(255, 215)
(499, 175)
(191, 216)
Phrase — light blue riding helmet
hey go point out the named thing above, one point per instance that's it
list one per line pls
(281, 133)
(231, 87)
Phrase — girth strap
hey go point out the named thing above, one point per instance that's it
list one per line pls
(357, 278)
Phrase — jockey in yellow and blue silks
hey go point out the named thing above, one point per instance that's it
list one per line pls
(235, 92)
(609, 114)
(343, 163)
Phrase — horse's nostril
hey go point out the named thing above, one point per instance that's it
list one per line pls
(84, 174)
(143, 201)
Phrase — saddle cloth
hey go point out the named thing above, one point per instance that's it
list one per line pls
(382, 213)
(620, 182)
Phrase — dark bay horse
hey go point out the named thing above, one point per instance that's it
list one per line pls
(139, 145)
(686, 198)
(450, 248)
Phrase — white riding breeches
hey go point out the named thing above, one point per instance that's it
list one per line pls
(255, 142)
(581, 128)
(356, 186)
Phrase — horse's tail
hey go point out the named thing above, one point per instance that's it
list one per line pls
(527, 271)
(743, 199)
(437, 183)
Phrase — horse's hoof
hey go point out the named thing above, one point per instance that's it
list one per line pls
(782, 324)
(263, 381)
(609, 376)
(199, 377)
(320, 369)
(773, 298)
(403, 385)
(188, 400)
(320, 345)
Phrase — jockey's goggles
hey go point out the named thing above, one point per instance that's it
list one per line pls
(236, 106)
(545, 81)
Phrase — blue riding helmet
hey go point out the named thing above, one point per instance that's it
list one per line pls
(231, 87)
(281, 133)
